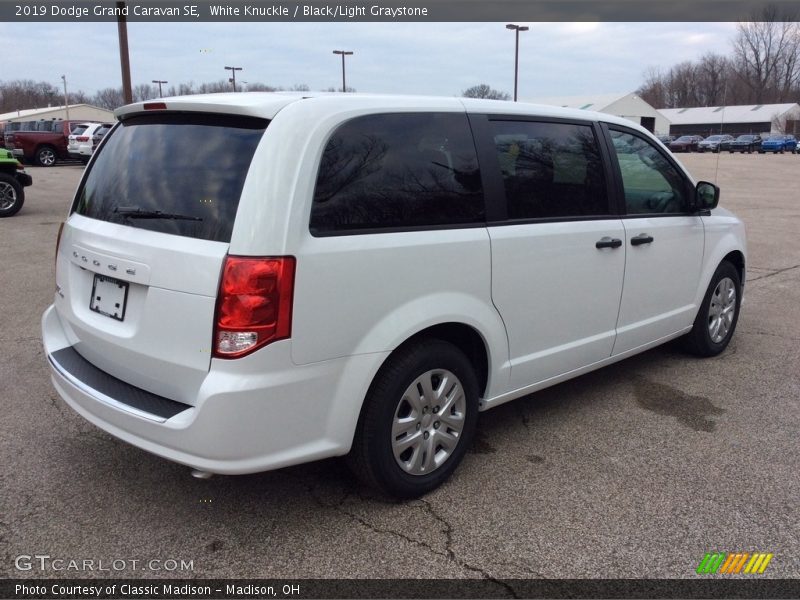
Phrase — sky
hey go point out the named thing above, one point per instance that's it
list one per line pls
(443, 59)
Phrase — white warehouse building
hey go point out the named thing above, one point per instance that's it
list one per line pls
(628, 106)
(735, 120)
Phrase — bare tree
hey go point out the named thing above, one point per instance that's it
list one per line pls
(109, 98)
(653, 90)
(484, 91)
(26, 93)
(765, 55)
(713, 72)
(144, 91)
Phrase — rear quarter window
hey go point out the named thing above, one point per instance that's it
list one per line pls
(398, 171)
(190, 167)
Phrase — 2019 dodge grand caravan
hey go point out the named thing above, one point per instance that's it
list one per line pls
(250, 281)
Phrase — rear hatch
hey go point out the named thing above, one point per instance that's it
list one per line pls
(140, 256)
(76, 137)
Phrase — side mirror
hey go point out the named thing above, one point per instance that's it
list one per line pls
(706, 196)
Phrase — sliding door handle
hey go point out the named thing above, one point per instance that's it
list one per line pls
(608, 242)
(640, 239)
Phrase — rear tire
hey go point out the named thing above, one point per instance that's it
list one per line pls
(418, 420)
(46, 156)
(12, 195)
(719, 312)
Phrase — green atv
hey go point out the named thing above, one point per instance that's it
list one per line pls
(12, 181)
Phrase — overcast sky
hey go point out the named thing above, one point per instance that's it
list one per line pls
(556, 59)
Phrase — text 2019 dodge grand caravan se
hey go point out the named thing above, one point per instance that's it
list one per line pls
(250, 281)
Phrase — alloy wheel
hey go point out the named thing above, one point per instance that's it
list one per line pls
(721, 310)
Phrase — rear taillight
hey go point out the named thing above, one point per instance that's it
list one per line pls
(83, 138)
(254, 306)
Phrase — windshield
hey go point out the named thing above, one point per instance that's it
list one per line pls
(714, 138)
(184, 173)
(745, 138)
(685, 138)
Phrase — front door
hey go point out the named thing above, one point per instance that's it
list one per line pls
(664, 243)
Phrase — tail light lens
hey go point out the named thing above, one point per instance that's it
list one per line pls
(254, 306)
(83, 138)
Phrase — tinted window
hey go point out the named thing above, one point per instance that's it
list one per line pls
(550, 170)
(651, 183)
(79, 129)
(398, 171)
(188, 165)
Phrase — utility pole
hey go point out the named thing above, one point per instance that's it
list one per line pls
(124, 58)
(233, 75)
(516, 29)
(343, 53)
(66, 98)
(159, 82)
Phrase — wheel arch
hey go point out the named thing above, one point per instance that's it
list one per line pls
(736, 258)
(464, 337)
(725, 241)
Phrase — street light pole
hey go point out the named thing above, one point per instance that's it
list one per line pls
(233, 75)
(516, 29)
(343, 53)
(66, 98)
(159, 82)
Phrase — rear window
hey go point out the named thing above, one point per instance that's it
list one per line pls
(191, 168)
(79, 129)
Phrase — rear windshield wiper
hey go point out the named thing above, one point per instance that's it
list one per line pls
(137, 213)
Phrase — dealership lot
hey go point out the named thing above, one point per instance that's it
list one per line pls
(636, 470)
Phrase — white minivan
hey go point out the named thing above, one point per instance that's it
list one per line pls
(250, 281)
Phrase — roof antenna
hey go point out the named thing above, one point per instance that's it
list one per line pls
(721, 122)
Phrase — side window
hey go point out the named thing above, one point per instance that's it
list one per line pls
(652, 184)
(397, 171)
(550, 170)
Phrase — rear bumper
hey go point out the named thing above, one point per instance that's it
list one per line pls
(254, 414)
(24, 179)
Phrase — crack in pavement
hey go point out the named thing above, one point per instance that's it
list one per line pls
(773, 273)
(448, 532)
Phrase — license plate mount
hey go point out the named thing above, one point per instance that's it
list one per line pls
(109, 297)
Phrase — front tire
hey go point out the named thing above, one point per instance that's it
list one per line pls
(719, 312)
(12, 195)
(418, 420)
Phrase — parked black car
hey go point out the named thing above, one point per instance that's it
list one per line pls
(746, 143)
(686, 143)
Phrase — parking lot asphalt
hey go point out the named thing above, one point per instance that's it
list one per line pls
(636, 470)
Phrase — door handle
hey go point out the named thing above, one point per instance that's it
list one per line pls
(607, 242)
(640, 239)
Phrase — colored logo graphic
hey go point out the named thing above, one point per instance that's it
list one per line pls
(734, 563)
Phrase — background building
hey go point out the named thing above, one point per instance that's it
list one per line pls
(629, 106)
(750, 118)
(77, 112)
